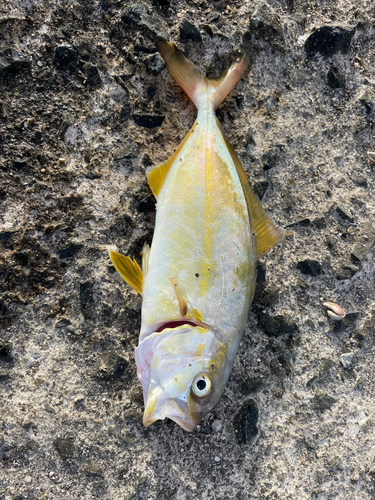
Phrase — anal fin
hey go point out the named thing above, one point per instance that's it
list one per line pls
(128, 269)
(157, 175)
(266, 233)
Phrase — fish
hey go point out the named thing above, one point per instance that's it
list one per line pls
(198, 278)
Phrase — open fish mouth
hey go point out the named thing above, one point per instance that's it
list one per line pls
(169, 408)
(175, 323)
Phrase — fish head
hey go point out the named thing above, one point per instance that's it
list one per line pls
(185, 377)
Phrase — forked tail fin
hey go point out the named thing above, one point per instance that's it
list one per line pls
(191, 80)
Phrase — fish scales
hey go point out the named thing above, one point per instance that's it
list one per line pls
(199, 277)
(201, 198)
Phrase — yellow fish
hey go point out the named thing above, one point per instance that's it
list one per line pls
(198, 278)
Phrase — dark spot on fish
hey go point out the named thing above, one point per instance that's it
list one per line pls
(212, 367)
(197, 275)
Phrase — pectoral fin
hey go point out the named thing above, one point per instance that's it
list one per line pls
(180, 296)
(266, 233)
(129, 270)
(145, 256)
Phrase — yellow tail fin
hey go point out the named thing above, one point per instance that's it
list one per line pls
(191, 80)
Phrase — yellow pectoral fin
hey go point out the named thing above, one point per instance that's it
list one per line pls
(266, 233)
(157, 175)
(145, 257)
(182, 302)
(129, 270)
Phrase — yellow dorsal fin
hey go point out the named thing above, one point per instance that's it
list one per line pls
(266, 233)
(145, 257)
(157, 175)
(129, 270)
(180, 297)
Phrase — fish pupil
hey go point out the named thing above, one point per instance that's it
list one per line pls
(201, 384)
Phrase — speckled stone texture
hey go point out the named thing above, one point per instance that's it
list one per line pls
(86, 105)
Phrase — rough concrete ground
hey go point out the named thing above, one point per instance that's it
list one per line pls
(86, 104)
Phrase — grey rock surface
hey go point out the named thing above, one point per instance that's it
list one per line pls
(86, 106)
(266, 22)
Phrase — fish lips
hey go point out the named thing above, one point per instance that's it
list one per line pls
(174, 409)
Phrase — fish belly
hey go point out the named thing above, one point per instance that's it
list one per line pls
(202, 238)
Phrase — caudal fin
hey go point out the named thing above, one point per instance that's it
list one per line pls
(191, 80)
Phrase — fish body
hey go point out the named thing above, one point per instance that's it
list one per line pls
(199, 276)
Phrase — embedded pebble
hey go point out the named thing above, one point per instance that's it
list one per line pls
(217, 425)
(346, 359)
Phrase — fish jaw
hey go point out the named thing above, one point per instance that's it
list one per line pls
(159, 409)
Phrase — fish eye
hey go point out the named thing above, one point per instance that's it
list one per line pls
(201, 385)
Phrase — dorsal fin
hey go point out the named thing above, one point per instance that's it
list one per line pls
(266, 233)
(128, 269)
(157, 175)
